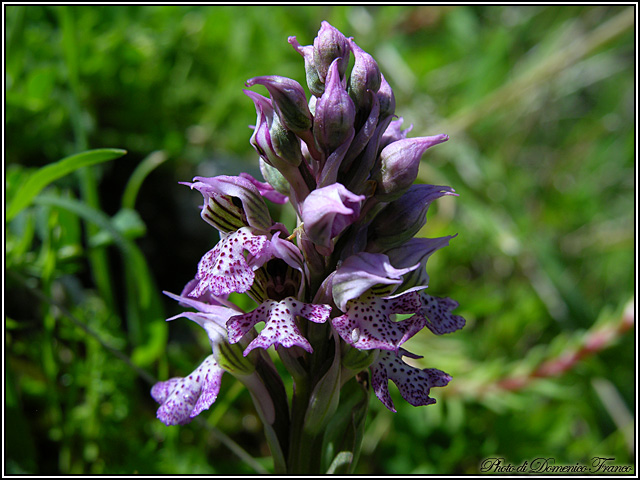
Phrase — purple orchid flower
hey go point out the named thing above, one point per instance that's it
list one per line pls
(280, 326)
(329, 294)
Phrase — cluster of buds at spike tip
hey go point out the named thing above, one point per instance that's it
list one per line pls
(352, 263)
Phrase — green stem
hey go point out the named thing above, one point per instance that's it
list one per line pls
(301, 451)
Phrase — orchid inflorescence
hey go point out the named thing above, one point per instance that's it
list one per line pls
(329, 291)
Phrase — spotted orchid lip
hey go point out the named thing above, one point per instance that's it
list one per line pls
(181, 399)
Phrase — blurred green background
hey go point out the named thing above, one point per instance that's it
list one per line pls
(539, 104)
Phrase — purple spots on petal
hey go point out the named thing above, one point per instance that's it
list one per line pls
(280, 325)
(375, 329)
(224, 269)
(438, 313)
(182, 399)
(413, 383)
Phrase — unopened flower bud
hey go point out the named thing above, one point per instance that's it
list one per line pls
(315, 84)
(386, 98)
(365, 75)
(335, 113)
(330, 45)
(276, 145)
(288, 100)
(399, 164)
(403, 218)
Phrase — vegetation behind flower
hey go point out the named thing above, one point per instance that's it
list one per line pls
(539, 214)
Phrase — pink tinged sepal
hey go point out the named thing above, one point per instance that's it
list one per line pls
(212, 318)
(400, 161)
(327, 211)
(280, 326)
(274, 143)
(227, 268)
(367, 323)
(414, 383)
(364, 271)
(438, 313)
(181, 399)
(220, 211)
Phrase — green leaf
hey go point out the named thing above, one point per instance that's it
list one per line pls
(49, 173)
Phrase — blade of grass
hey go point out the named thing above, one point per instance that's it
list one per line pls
(143, 169)
(132, 253)
(49, 173)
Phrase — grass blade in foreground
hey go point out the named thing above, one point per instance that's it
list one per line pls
(49, 173)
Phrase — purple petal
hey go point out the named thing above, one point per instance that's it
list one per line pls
(403, 218)
(438, 312)
(330, 45)
(416, 251)
(367, 324)
(280, 327)
(206, 298)
(362, 271)
(327, 211)
(365, 75)
(414, 384)
(287, 251)
(182, 399)
(387, 98)
(225, 269)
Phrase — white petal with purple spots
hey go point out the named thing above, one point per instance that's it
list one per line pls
(226, 269)
(280, 326)
(182, 399)
(367, 323)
